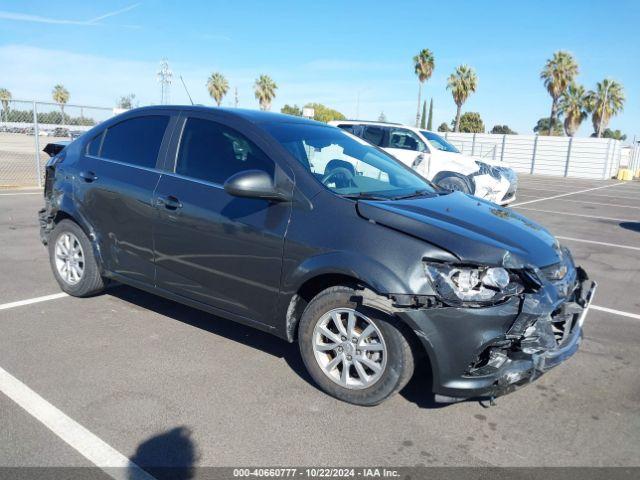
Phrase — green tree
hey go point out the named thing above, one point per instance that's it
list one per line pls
(443, 127)
(126, 101)
(502, 130)
(382, 117)
(323, 113)
(265, 91)
(606, 101)
(573, 107)
(470, 122)
(217, 86)
(430, 121)
(291, 110)
(5, 97)
(542, 127)
(615, 134)
(462, 83)
(557, 75)
(423, 118)
(423, 65)
(61, 96)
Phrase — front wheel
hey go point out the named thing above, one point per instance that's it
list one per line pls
(455, 184)
(356, 354)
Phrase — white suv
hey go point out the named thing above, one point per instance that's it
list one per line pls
(437, 160)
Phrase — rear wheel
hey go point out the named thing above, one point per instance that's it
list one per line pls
(72, 261)
(455, 184)
(354, 353)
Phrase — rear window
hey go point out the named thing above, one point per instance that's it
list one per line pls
(136, 141)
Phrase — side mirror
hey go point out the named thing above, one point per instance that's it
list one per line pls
(254, 184)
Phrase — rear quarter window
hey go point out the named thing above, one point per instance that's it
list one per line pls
(93, 147)
(135, 141)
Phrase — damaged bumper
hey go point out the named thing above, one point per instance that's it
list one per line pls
(489, 188)
(491, 351)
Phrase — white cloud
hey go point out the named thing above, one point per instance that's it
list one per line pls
(24, 17)
(30, 73)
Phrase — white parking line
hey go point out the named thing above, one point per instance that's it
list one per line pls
(616, 312)
(615, 245)
(566, 194)
(19, 193)
(98, 452)
(29, 301)
(602, 204)
(578, 215)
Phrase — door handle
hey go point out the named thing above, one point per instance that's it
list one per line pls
(169, 202)
(88, 176)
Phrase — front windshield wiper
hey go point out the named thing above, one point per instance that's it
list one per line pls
(364, 196)
(417, 193)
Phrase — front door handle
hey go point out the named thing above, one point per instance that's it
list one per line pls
(88, 176)
(169, 202)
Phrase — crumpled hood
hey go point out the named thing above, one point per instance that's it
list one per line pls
(474, 230)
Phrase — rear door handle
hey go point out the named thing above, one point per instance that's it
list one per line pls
(169, 202)
(88, 176)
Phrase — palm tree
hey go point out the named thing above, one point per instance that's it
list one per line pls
(606, 101)
(573, 106)
(423, 65)
(558, 74)
(5, 96)
(462, 83)
(60, 96)
(265, 91)
(217, 86)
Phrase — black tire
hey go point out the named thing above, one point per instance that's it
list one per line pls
(400, 360)
(91, 282)
(455, 184)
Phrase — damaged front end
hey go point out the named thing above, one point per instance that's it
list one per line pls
(500, 328)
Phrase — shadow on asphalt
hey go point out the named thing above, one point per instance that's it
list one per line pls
(168, 455)
(633, 226)
(417, 391)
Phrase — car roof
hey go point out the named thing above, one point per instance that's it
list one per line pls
(378, 124)
(253, 116)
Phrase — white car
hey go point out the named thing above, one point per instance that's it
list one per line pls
(437, 160)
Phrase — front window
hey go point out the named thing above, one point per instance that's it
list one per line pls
(346, 165)
(439, 142)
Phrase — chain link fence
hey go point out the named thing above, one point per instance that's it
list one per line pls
(27, 126)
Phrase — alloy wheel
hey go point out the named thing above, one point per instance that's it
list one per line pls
(349, 348)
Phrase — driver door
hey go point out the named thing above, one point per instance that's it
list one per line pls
(211, 247)
(410, 149)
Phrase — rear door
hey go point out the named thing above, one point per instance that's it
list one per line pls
(116, 178)
(211, 247)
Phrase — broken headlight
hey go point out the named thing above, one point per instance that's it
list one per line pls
(458, 284)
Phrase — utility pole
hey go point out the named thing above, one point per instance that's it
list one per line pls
(165, 76)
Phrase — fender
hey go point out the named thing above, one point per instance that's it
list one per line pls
(61, 205)
(366, 270)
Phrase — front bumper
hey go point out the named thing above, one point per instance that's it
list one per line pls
(491, 351)
(490, 188)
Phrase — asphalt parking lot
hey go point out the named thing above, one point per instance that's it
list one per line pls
(162, 384)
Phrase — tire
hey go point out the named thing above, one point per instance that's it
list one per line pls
(89, 282)
(395, 353)
(455, 184)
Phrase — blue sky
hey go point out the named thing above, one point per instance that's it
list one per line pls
(322, 51)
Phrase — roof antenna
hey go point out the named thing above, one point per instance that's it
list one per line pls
(186, 90)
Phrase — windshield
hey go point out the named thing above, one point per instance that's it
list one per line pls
(439, 142)
(346, 164)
